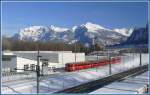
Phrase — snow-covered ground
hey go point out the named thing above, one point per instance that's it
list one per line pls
(57, 82)
(132, 85)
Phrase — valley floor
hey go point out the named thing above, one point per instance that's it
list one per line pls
(64, 80)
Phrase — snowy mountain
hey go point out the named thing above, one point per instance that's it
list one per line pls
(87, 32)
(93, 27)
(124, 31)
(58, 29)
(33, 33)
(84, 33)
(138, 38)
(42, 33)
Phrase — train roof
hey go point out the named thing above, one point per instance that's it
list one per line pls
(84, 62)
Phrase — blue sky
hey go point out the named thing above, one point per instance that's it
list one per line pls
(110, 15)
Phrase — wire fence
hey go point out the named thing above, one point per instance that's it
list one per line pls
(12, 76)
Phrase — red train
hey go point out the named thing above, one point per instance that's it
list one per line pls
(90, 64)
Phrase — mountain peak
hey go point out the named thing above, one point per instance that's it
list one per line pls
(74, 28)
(34, 27)
(92, 26)
(124, 31)
(58, 29)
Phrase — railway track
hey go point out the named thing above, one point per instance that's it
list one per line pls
(93, 85)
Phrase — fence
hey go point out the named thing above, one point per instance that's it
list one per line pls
(11, 76)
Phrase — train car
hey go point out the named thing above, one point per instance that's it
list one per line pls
(90, 64)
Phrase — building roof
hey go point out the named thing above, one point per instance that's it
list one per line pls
(52, 57)
(41, 51)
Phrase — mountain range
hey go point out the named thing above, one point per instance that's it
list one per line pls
(138, 39)
(88, 33)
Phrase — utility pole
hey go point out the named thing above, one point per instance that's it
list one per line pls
(96, 45)
(140, 58)
(75, 50)
(95, 49)
(109, 57)
(38, 71)
(97, 56)
(62, 53)
(93, 44)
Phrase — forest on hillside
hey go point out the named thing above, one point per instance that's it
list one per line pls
(19, 45)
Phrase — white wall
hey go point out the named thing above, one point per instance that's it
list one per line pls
(23, 61)
(94, 57)
(9, 65)
(145, 58)
(80, 57)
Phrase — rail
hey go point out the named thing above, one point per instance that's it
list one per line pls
(91, 86)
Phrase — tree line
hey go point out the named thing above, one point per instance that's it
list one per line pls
(20, 45)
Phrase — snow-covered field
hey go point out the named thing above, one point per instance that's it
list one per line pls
(61, 81)
(131, 85)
